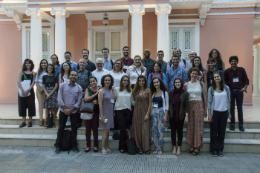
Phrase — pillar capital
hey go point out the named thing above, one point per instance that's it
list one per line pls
(163, 8)
(60, 11)
(137, 9)
(35, 11)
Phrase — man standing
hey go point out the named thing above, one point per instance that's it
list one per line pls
(148, 62)
(127, 61)
(237, 80)
(100, 71)
(182, 62)
(90, 66)
(108, 63)
(211, 65)
(175, 71)
(160, 55)
(67, 56)
(69, 99)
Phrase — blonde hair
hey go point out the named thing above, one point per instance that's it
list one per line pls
(82, 59)
(141, 66)
(121, 69)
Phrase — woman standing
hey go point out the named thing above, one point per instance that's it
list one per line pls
(91, 95)
(197, 112)
(215, 54)
(117, 72)
(64, 73)
(55, 62)
(42, 71)
(218, 112)
(106, 100)
(135, 70)
(178, 112)
(50, 86)
(157, 73)
(141, 127)
(160, 107)
(202, 76)
(26, 102)
(123, 114)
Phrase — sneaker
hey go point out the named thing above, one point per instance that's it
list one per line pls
(232, 127)
(22, 125)
(57, 151)
(30, 124)
(241, 128)
(75, 149)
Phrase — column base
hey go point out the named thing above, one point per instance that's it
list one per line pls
(256, 94)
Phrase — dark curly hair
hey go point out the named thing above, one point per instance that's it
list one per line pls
(219, 58)
(137, 87)
(162, 86)
(233, 58)
(24, 68)
(57, 62)
(103, 81)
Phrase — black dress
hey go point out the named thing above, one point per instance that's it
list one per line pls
(50, 82)
(25, 103)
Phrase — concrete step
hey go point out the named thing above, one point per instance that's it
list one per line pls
(231, 145)
(14, 129)
(247, 125)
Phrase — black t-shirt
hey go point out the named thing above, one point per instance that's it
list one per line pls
(49, 81)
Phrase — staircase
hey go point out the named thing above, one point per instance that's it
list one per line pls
(235, 141)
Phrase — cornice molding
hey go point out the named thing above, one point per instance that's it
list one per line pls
(203, 13)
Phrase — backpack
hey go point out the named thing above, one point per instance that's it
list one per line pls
(131, 147)
(49, 121)
(66, 144)
(111, 63)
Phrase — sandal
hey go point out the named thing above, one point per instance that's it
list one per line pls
(190, 151)
(160, 152)
(140, 152)
(87, 150)
(104, 152)
(109, 151)
(155, 152)
(196, 153)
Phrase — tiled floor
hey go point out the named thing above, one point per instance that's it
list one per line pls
(42, 159)
(251, 113)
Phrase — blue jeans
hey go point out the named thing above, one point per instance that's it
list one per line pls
(238, 97)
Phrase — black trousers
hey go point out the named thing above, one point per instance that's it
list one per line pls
(176, 126)
(218, 130)
(123, 119)
(62, 124)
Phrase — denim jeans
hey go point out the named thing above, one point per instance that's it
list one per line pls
(238, 97)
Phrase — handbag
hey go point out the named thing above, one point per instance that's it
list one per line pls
(86, 116)
(25, 85)
(86, 107)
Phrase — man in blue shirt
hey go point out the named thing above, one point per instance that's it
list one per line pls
(108, 63)
(175, 71)
(90, 66)
(67, 56)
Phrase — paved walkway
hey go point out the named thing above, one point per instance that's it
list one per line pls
(40, 160)
(251, 113)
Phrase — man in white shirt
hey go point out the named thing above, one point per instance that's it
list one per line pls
(108, 63)
(100, 71)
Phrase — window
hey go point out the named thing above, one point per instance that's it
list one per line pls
(182, 38)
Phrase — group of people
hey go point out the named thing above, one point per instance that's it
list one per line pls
(138, 95)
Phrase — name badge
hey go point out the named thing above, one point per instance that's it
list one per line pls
(112, 101)
(192, 95)
(155, 105)
(235, 79)
(125, 67)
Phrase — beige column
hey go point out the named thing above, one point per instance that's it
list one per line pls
(256, 70)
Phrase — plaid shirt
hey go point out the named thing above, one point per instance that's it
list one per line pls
(83, 79)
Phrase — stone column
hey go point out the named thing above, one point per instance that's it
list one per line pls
(256, 70)
(137, 12)
(162, 11)
(36, 35)
(60, 31)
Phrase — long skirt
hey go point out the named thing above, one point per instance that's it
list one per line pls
(195, 124)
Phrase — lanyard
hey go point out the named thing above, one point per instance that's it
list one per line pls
(138, 73)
